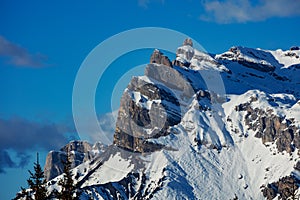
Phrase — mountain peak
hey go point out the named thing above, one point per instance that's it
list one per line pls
(176, 137)
(188, 41)
(159, 58)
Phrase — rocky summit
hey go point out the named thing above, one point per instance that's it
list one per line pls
(78, 152)
(200, 126)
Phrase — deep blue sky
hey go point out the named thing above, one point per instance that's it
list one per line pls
(43, 43)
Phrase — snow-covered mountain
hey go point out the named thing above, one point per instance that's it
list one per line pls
(203, 127)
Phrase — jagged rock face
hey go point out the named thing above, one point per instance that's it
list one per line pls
(286, 187)
(79, 152)
(148, 109)
(271, 128)
(54, 166)
(79, 146)
(159, 58)
(173, 79)
(188, 41)
(137, 121)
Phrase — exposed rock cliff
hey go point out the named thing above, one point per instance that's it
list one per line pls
(285, 187)
(147, 109)
(79, 152)
(271, 128)
(159, 58)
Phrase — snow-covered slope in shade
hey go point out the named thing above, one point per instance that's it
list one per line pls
(269, 71)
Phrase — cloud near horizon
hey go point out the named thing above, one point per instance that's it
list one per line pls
(19, 56)
(22, 136)
(241, 11)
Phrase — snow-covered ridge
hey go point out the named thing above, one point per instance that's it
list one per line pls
(278, 58)
(194, 59)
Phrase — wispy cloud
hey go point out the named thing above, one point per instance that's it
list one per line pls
(107, 122)
(104, 133)
(241, 11)
(19, 56)
(21, 136)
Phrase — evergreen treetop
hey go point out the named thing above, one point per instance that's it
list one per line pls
(36, 183)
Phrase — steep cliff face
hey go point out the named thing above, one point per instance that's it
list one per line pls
(157, 101)
(147, 110)
(159, 58)
(178, 136)
(79, 152)
(271, 127)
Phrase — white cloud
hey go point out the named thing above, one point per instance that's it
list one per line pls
(239, 11)
(18, 55)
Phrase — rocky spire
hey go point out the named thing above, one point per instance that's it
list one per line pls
(159, 58)
(188, 42)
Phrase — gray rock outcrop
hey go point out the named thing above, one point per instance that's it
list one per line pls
(271, 128)
(159, 58)
(285, 187)
(79, 152)
(148, 109)
(136, 122)
(188, 41)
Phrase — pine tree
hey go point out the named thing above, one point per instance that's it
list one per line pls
(36, 183)
(68, 188)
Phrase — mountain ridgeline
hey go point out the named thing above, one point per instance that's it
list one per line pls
(202, 126)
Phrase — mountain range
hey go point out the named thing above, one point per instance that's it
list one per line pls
(203, 126)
